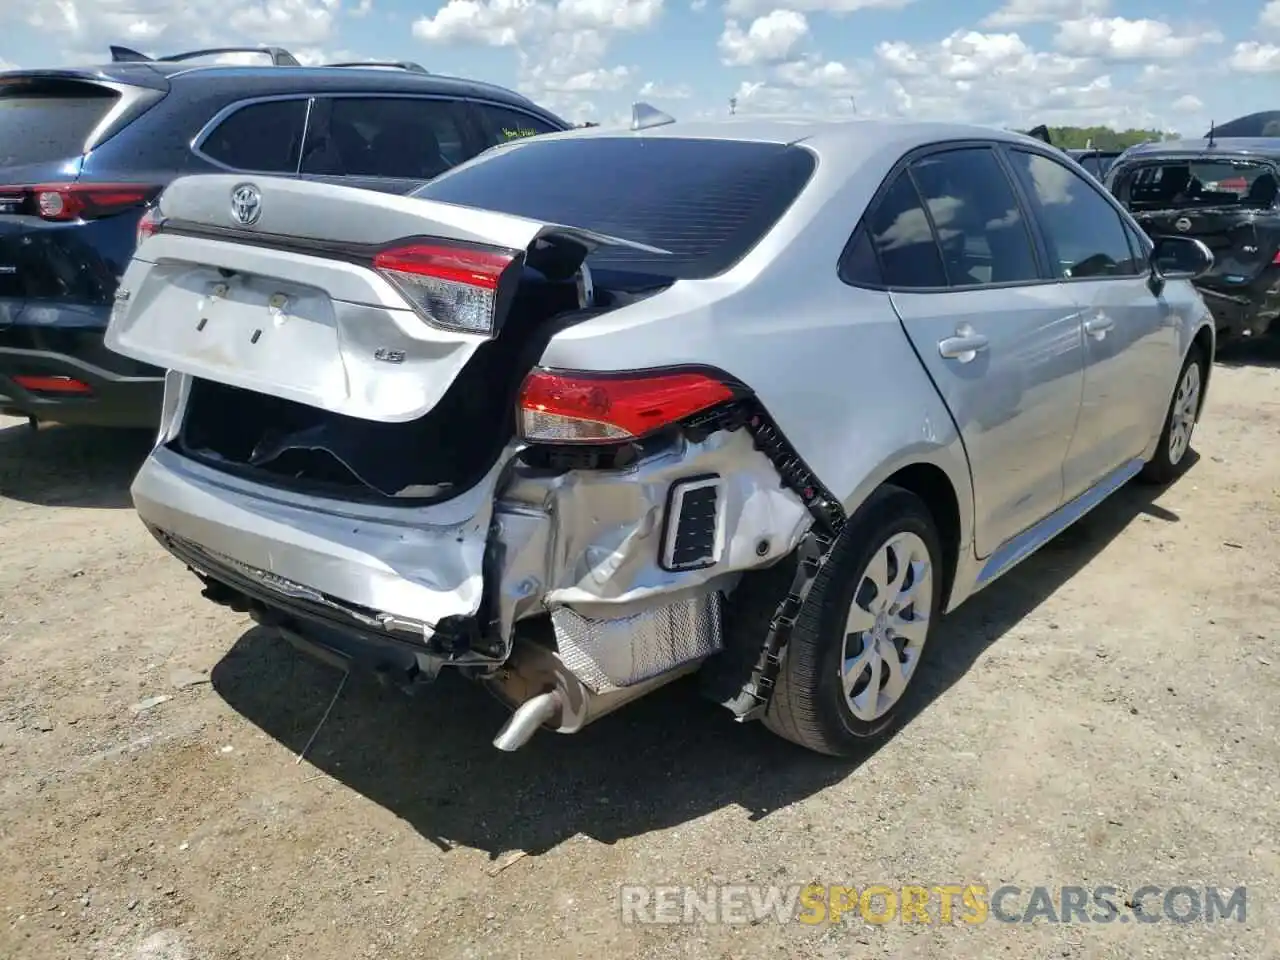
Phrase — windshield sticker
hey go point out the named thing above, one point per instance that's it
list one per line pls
(512, 133)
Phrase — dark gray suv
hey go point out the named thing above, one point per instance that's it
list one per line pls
(83, 151)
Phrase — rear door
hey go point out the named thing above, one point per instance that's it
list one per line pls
(1001, 344)
(392, 144)
(1131, 337)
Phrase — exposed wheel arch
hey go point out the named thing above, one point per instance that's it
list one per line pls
(932, 485)
(1206, 340)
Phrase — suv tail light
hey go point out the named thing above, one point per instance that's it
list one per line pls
(450, 286)
(561, 407)
(63, 202)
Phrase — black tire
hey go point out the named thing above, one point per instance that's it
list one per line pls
(1167, 465)
(808, 706)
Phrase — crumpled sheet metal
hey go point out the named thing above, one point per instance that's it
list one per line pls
(591, 540)
(611, 654)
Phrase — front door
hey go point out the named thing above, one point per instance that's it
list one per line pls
(1002, 346)
(1130, 334)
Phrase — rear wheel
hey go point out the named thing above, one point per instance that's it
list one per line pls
(862, 635)
(1170, 459)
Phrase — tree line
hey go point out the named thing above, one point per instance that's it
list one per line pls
(1103, 138)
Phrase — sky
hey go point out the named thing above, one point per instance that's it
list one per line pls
(1172, 65)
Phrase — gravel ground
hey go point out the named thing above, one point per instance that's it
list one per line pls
(1102, 717)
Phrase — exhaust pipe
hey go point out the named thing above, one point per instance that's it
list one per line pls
(528, 717)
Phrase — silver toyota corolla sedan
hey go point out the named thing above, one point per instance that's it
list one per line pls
(596, 410)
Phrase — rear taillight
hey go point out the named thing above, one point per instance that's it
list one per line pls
(85, 201)
(1275, 261)
(149, 224)
(451, 287)
(559, 407)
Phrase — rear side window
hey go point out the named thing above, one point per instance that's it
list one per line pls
(1084, 232)
(502, 124)
(903, 239)
(978, 222)
(395, 137)
(262, 137)
(704, 203)
(48, 121)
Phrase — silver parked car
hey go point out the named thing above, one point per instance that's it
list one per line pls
(599, 409)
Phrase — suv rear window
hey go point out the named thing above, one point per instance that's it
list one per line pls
(706, 202)
(1202, 182)
(49, 120)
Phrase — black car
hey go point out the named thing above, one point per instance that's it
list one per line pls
(83, 151)
(1222, 191)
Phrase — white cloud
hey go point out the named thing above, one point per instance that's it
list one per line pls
(1016, 13)
(1188, 103)
(1115, 38)
(653, 90)
(1270, 16)
(1252, 57)
(85, 27)
(772, 38)
(753, 8)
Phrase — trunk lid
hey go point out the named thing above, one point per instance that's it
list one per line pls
(291, 304)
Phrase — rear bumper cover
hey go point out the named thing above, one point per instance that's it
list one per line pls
(68, 342)
(586, 547)
(1244, 309)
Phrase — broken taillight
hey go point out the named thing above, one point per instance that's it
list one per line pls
(560, 407)
(452, 287)
(149, 224)
(64, 202)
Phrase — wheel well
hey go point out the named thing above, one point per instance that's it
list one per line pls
(1204, 339)
(931, 485)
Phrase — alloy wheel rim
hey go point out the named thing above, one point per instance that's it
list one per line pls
(887, 626)
(1183, 420)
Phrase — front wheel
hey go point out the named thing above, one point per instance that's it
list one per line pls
(861, 637)
(1170, 459)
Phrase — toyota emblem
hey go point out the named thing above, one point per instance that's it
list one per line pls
(246, 204)
(1182, 224)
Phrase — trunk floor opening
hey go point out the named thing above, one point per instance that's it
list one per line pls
(441, 454)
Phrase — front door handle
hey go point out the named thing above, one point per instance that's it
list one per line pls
(1097, 326)
(964, 346)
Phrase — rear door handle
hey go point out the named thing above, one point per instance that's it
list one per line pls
(964, 346)
(1098, 326)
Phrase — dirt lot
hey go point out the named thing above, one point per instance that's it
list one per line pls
(1103, 716)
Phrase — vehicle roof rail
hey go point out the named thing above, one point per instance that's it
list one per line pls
(644, 116)
(393, 64)
(280, 57)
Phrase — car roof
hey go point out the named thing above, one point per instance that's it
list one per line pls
(1268, 147)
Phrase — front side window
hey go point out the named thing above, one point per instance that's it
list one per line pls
(979, 224)
(395, 137)
(262, 137)
(1084, 232)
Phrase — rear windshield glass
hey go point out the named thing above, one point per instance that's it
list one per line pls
(1202, 182)
(43, 122)
(705, 202)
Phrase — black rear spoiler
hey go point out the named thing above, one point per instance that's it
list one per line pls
(123, 73)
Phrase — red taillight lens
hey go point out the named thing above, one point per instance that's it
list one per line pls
(86, 201)
(51, 384)
(1275, 261)
(594, 408)
(149, 224)
(451, 287)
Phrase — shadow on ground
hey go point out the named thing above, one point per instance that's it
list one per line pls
(1250, 353)
(61, 466)
(657, 763)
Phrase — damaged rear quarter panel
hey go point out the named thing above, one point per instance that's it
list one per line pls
(592, 539)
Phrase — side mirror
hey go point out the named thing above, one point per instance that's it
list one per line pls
(1180, 258)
